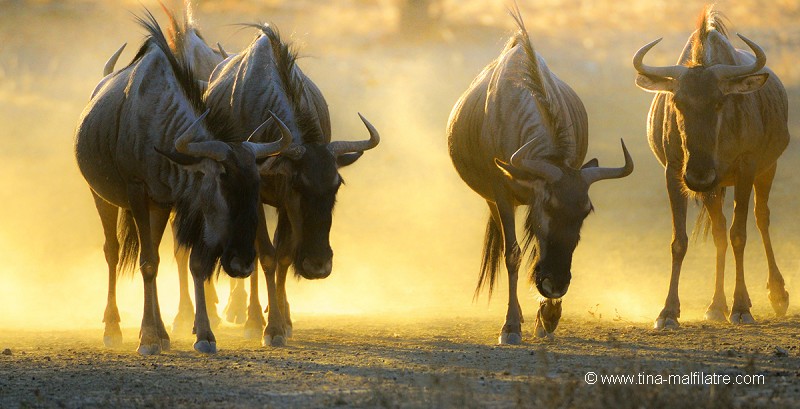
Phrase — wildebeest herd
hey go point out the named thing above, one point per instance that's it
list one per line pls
(192, 136)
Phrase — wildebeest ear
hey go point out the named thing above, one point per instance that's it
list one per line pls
(347, 158)
(593, 163)
(743, 85)
(655, 84)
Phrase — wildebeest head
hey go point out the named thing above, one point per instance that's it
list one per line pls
(558, 203)
(312, 170)
(700, 95)
(219, 220)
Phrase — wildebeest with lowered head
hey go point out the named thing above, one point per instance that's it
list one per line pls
(301, 182)
(185, 36)
(719, 119)
(518, 137)
(146, 144)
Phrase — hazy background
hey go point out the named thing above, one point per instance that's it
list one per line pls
(407, 232)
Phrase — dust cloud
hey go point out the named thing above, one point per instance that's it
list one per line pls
(407, 233)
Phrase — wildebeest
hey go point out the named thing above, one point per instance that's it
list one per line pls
(146, 145)
(202, 59)
(719, 119)
(301, 182)
(518, 137)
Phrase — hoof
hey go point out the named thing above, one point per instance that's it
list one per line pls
(510, 338)
(112, 341)
(716, 315)
(276, 341)
(205, 347)
(780, 302)
(146, 350)
(742, 318)
(666, 323)
(166, 345)
(540, 332)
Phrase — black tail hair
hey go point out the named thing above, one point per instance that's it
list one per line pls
(703, 223)
(128, 244)
(493, 247)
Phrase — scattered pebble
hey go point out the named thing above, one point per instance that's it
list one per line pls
(7, 351)
(780, 351)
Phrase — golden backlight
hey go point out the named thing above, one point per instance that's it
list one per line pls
(407, 232)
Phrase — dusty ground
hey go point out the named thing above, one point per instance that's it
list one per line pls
(362, 362)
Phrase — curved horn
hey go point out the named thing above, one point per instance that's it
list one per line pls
(341, 147)
(216, 150)
(673, 71)
(263, 150)
(222, 51)
(591, 175)
(109, 67)
(549, 172)
(730, 71)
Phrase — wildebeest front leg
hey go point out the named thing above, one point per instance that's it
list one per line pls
(112, 335)
(150, 226)
(201, 269)
(668, 318)
(778, 296)
(740, 312)
(718, 310)
(503, 212)
(184, 320)
(254, 326)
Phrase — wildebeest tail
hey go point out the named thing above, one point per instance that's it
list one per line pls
(128, 243)
(492, 257)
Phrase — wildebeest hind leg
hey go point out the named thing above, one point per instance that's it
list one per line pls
(668, 318)
(718, 310)
(236, 308)
(778, 296)
(740, 311)
(112, 336)
(184, 320)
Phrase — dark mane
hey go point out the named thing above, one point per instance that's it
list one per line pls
(285, 56)
(218, 121)
(535, 84)
(709, 20)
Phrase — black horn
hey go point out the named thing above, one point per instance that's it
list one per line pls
(591, 175)
(263, 150)
(731, 71)
(109, 67)
(673, 71)
(341, 147)
(216, 150)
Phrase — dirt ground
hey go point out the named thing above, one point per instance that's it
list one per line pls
(363, 362)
